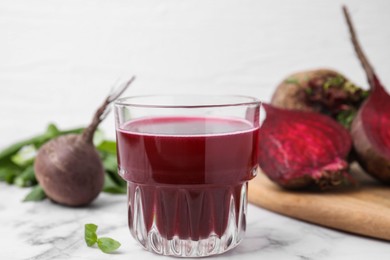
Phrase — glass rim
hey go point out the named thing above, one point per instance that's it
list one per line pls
(245, 101)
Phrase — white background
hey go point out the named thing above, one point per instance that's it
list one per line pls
(58, 59)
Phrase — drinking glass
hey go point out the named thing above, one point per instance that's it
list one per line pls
(187, 161)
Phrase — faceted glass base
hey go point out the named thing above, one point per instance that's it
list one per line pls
(184, 236)
(188, 248)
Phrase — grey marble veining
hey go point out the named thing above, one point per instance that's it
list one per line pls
(45, 230)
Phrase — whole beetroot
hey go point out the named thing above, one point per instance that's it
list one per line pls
(371, 127)
(371, 134)
(69, 168)
(71, 175)
(324, 91)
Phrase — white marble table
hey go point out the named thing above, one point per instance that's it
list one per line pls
(44, 230)
(59, 57)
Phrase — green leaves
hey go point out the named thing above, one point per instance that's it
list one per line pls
(336, 81)
(113, 183)
(9, 171)
(292, 80)
(107, 146)
(50, 133)
(90, 234)
(110, 186)
(105, 244)
(346, 117)
(108, 245)
(17, 162)
(26, 178)
(36, 194)
(25, 156)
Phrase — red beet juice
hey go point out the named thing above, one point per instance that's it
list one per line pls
(187, 176)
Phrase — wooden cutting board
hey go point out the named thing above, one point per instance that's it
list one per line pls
(363, 210)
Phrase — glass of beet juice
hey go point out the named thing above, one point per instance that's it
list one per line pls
(187, 161)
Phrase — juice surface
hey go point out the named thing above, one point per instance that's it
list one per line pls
(187, 150)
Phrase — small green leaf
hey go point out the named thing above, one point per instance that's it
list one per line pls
(110, 163)
(336, 81)
(111, 167)
(111, 186)
(36, 194)
(108, 245)
(26, 178)
(346, 117)
(52, 131)
(90, 234)
(107, 146)
(7, 174)
(25, 155)
(9, 171)
(98, 137)
(292, 81)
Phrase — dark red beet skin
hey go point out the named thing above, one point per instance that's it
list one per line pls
(371, 127)
(299, 148)
(371, 134)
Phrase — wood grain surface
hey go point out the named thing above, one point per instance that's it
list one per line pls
(363, 210)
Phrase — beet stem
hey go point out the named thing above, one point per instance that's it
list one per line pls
(103, 110)
(359, 51)
(117, 92)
